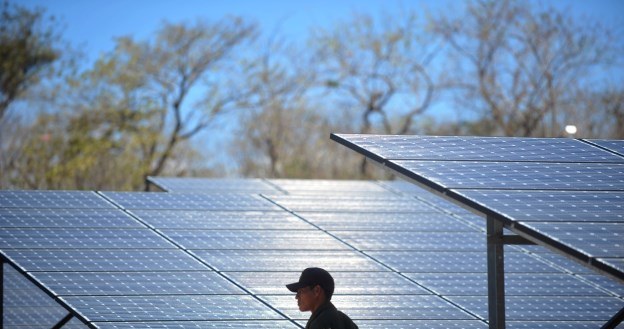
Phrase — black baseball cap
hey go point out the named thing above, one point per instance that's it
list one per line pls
(313, 276)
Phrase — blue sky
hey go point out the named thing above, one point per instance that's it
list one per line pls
(93, 24)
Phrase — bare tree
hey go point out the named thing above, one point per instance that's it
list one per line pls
(519, 67)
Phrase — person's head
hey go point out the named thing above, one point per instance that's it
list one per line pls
(315, 286)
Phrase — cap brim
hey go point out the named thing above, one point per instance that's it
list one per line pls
(295, 286)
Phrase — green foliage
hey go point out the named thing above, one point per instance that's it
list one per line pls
(27, 49)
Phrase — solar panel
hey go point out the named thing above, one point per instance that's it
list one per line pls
(314, 186)
(104, 260)
(403, 307)
(445, 148)
(136, 283)
(19, 217)
(113, 272)
(379, 222)
(212, 185)
(287, 260)
(593, 239)
(349, 283)
(538, 308)
(351, 204)
(191, 201)
(66, 238)
(550, 206)
(255, 239)
(418, 241)
(457, 262)
(610, 144)
(52, 199)
(605, 283)
(516, 284)
(277, 324)
(221, 220)
(519, 175)
(172, 308)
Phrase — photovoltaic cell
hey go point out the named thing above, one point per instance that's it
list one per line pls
(429, 324)
(593, 239)
(554, 325)
(172, 308)
(457, 262)
(610, 144)
(18, 217)
(212, 185)
(519, 175)
(404, 307)
(82, 238)
(392, 147)
(418, 241)
(136, 283)
(351, 204)
(516, 284)
(104, 260)
(537, 308)
(52, 199)
(347, 283)
(606, 283)
(551, 206)
(255, 239)
(272, 324)
(191, 201)
(404, 222)
(313, 186)
(222, 220)
(287, 260)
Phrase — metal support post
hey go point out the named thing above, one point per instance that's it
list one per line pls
(496, 274)
(615, 320)
(63, 321)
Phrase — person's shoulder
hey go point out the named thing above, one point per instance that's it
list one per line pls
(333, 319)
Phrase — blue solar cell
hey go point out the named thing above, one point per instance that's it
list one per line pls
(384, 307)
(457, 262)
(537, 308)
(351, 204)
(191, 201)
(429, 324)
(419, 241)
(52, 199)
(316, 186)
(81, 238)
(171, 308)
(593, 239)
(608, 284)
(551, 206)
(380, 147)
(272, 324)
(222, 220)
(516, 284)
(136, 283)
(347, 283)
(119, 260)
(404, 222)
(255, 239)
(212, 185)
(17, 217)
(554, 325)
(519, 175)
(287, 260)
(610, 144)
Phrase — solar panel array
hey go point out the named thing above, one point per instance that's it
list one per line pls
(217, 254)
